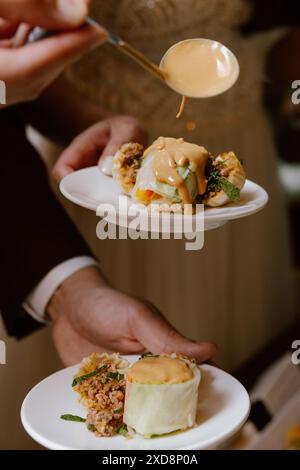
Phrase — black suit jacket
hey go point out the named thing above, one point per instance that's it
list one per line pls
(35, 232)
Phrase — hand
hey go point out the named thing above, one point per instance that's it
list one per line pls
(71, 346)
(99, 140)
(88, 310)
(27, 69)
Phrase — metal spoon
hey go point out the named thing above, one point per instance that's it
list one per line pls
(130, 51)
(40, 33)
(222, 56)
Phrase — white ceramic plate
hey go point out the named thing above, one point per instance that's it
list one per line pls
(90, 187)
(222, 410)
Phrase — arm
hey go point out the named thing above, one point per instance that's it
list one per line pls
(36, 234)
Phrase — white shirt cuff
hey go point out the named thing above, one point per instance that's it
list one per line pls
(37, 301)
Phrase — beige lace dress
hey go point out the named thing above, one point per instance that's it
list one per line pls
(237, 291)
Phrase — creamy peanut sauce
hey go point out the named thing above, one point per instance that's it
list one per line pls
(171, 153)
(199, 68)
(182, 107)
(158, 370)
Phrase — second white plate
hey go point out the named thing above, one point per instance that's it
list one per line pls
(223, 408)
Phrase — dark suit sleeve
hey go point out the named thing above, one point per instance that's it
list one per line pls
(36, 234)
(267, 14)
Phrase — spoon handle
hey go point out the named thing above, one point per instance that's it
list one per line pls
(130, 51)
(40, 33)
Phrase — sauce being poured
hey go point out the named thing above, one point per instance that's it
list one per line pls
(169, 154)
(182, 107)
(199, 68)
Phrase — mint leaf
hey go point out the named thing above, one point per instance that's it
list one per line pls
(123, 430)
(91, 427)
(77, 380)
(78, 419)
(232, 191)
(115, 376)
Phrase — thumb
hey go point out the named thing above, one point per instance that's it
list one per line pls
(154, 332)
(111, 148)
(51, 14)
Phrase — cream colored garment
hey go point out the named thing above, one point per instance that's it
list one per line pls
(237, 291)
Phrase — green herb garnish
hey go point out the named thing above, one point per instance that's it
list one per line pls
(77, 380)
(91, 427)
(142, 356)
(123, 430)
(78, 419)
(232, 191)
(115, 376)
(216, 181)
(118, 410)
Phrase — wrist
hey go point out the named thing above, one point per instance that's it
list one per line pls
(70, 291)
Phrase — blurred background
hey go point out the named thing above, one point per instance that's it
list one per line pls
(242, 289)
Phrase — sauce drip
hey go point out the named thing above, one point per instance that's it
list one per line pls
(199, 68)
(182, 107)
(171, 153)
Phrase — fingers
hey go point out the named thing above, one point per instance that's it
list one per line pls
(201, 351)
(83, 152)
(70, 345)
(19, 38)
(124, 129)
(158, 336)
(61, 169)
(111, 148)
(60, 50)
(7, 28)
(50, 14)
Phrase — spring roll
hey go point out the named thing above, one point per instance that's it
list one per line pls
(161, 394)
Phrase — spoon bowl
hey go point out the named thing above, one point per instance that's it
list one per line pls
(199, 68)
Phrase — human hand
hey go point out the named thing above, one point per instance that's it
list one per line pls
(70, 345)
(99, 140)
(27, 69)
(99, 318)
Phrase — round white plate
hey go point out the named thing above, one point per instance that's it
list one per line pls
(90, 187)
(222, 410)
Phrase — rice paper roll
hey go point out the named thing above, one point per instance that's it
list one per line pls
(148, 189)
(161, 396)
(146, 180)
